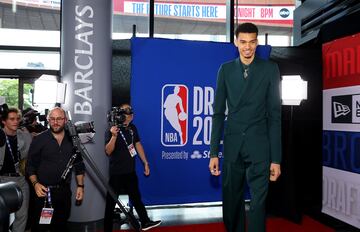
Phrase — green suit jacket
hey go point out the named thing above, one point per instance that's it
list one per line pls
(254, 111)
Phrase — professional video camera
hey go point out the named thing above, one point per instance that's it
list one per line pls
(117, 116)
(29, 116)
(11, 199)
(31, 120)
(79, 128)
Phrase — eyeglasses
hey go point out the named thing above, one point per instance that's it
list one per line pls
(56, 119)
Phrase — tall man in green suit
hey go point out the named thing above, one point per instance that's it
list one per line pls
(249, 86)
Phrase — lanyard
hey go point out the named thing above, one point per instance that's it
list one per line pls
(16, 164)
(48, 198)
(132, 137)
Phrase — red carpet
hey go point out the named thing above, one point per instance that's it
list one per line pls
(273, 225)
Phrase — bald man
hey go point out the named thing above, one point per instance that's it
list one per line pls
(49, 154)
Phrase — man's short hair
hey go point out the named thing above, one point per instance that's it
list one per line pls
(246, 28)
(56, 108)
(123, 104)
(6, 113)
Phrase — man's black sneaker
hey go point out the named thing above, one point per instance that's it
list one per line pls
(150, 224)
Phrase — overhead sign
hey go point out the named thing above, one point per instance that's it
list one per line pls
(207, 11)
(263, 14)
(53, 4)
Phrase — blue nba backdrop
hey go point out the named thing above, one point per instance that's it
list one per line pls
(172, 92)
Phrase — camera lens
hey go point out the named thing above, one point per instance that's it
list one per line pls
(86, 127)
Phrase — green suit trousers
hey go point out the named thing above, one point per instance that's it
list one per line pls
(235, 174)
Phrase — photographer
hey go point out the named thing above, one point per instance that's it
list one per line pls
(14, 147)
(122, 145)
(49, 154)
(30, 121)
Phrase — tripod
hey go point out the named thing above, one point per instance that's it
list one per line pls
(80, 149)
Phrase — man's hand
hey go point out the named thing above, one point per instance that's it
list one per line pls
(214, 166)
(274, 171)
(114, 131)
(79, 193)
(146, 169)
(40, 189)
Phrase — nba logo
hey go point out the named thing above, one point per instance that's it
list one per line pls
(174, 115)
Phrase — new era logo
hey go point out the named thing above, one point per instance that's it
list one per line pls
(340, 109)
(345, 109)
(174, 115)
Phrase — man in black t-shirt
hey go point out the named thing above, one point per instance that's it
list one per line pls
(122, 146)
